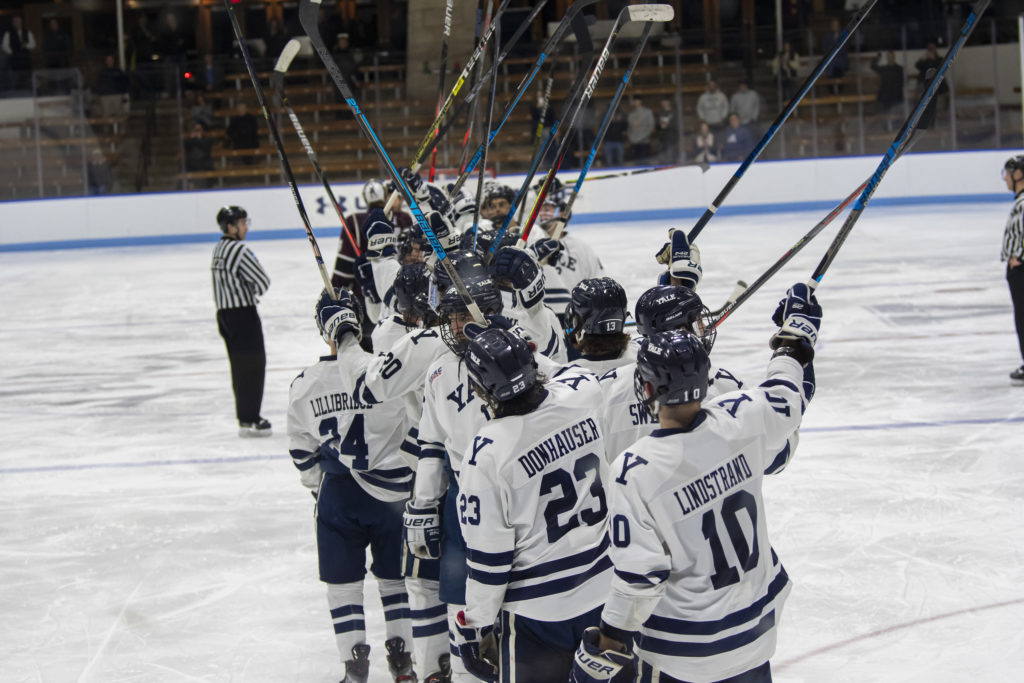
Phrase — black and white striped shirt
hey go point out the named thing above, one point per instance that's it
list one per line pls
(1013, 236)
(238, 277)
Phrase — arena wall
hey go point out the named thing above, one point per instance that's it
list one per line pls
(679, 194)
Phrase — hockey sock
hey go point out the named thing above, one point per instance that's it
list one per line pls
(429, 624)
(345, 601)
(396, 609)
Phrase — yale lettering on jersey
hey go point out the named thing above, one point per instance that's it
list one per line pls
(478, 443)
(707, 488)
(332, 403)
(559, 445)
(627, 465)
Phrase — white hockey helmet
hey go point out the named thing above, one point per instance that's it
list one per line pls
(374, 192)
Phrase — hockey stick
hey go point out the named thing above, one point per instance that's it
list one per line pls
(644, 13)
(781, 119)
(901, 141)
(277, 80)
(434, 132)
(586, 54)
(308, 10)
(444, 65)
(487, 134)
(552, 44)
(566, 214)
(737, 292)
(471, 114)
(276, 135)
(545, 105)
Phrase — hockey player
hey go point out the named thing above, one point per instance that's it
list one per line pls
(348, 453)
(374, 196)
(697, 583)
(660, 309)
(682, 260)
(575, 260)
(594, 324)
(499, 204)
(522, 285)
(533, 512)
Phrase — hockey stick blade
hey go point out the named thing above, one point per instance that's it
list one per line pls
(660, 13)
(737, 291)
(287, 55)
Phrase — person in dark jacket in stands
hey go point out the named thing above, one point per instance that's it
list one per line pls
(198, 153)
(112, 88)
(737, 141)
(243, 132)
(890, 81)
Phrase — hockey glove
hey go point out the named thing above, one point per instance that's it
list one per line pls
(415, 183)
(380, 235)
(682, 258)
(422, 531)
(443, 230)
(547, 251)
(473, 329)
(593, 664)
(335, 317)
(518, 268)
(480, 651)
(798, 316)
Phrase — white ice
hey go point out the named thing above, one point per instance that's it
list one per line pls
(142, 540)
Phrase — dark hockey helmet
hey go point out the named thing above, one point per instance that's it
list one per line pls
(676, 364)
(501, 192)
(468, 265)
(228, 215)
(412, 298)
(556, 192)
(597, 306)
(1014, 163)
(454, 312)
(674, 307)
(501, 363)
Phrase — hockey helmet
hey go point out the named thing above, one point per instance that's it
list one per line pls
(501, 363)
(374, 192)
(1014, 163)
(676, 364)
(412, 284)
(597, 306)
(229, 215)
(674, 307)
(454, 310)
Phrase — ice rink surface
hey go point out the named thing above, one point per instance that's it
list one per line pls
(144, 541)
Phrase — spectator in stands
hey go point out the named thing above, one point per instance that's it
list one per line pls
(201, 111)
(639, 128)
(746, 104)
(890, 81)
(56, 46)
(198, 152)
(243, 132)
(704, 149)
(173, 52)
(931, 60)
(275, 40)
(112, 88)
(737, 141)
(786, 64)
(141, 51)
(713, 106)
(668, 133)
(99, 173)
(615, 140)
(18, 43)
(210, 75)
(841, 62)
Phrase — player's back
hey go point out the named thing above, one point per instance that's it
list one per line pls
(699, 489)
(357, 436)
(549, 468)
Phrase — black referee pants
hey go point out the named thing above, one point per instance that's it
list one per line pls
(243, 337)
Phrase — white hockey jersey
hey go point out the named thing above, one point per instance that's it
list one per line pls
(332, 429)
(602, 366)
(537, 324)
(627, 420)
(533, 509)
(577, 261)
(695, 572)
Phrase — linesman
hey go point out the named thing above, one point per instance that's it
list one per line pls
(1013, 251)
(238, 281)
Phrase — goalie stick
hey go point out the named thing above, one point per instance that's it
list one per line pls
(644, 13)
(549, 47)
(901, 142)
(443, 67)
(781, 119)
(277, 80)
(276, 135)
(566, 213)
(308, 10)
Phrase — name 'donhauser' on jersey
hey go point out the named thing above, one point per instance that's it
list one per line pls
(709, 487)
(559, 445)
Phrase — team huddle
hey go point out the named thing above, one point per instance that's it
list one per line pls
(545, 496)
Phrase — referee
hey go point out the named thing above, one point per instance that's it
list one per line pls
(1013, 250)
(238, 279)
